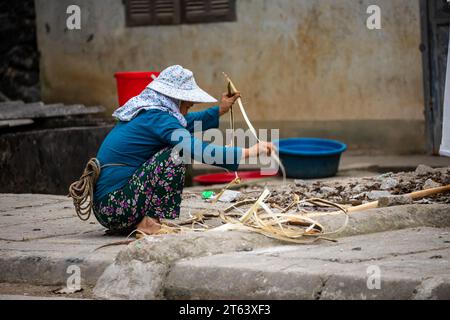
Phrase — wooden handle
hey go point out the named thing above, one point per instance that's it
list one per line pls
(372, 205)
(429, 192)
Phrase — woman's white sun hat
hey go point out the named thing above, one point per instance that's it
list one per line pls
(179, 83)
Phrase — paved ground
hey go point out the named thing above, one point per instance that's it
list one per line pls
(36, 250)
(41, 237)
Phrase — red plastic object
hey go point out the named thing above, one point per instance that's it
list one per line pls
(222, 178)
(131, 84)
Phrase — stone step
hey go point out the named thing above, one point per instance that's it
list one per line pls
(140, 270)
(405, 264)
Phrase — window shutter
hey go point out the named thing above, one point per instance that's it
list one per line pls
(138, 12)
(195, 11)
(167, 11)
(152, 12)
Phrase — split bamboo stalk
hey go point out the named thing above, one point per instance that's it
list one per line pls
(232, 88)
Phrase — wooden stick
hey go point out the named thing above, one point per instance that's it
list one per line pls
(372, 205)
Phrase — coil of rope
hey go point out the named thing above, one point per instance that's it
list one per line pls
(82, 190)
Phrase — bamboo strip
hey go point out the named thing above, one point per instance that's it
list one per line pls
(274, 154)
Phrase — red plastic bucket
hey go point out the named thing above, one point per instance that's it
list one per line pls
(131, 84)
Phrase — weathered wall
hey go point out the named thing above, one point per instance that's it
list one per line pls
(46, 161)
(294, 60)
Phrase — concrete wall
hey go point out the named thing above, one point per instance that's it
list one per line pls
(297, 62)
(46, 161)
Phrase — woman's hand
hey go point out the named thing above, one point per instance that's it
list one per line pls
(265, 148)
(227, 102)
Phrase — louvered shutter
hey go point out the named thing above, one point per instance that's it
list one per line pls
(152, 12)
(195, 11)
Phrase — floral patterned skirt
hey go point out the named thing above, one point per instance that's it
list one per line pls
(154, 190)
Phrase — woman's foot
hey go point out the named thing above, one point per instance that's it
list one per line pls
(149, 226)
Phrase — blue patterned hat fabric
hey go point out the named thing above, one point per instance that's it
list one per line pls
(179, 83)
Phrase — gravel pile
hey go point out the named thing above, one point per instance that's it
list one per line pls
(355, 191)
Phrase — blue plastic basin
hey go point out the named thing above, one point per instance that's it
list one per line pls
(308, 158)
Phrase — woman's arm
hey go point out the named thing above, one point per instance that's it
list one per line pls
(209, 118)
(226, 157)
(170, 132)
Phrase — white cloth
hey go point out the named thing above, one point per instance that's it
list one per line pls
(445, 145)
(147, 100)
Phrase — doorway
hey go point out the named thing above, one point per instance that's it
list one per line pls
(435, 21)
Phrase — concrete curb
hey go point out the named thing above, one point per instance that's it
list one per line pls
(411, 264)
(389, 219)
(49, 270)
(140, 270)
(156, 259)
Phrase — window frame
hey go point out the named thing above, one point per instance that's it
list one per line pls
(180, 16)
